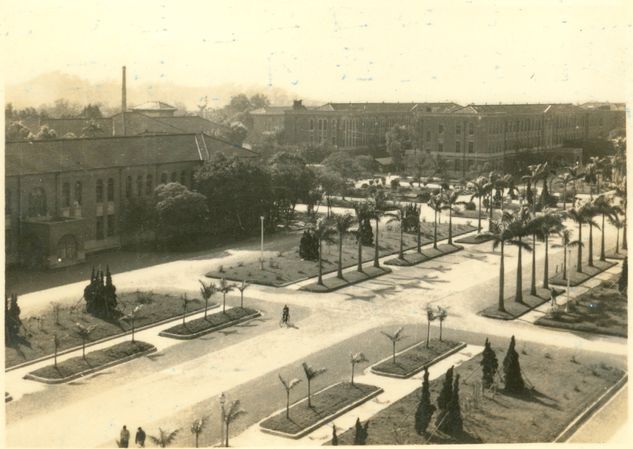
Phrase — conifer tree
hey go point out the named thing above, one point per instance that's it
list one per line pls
(489, 365)
(512, 370)
(334, 436)
(360, 433)
(444, 398)
(425, 409)
(453, 423)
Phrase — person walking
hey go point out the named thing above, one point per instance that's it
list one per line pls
(125, 437)
(140, 437)
(285, 315)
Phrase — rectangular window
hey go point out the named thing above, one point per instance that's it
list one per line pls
(66, 194)
(471, 147)
(163, 178)
(182, 178)
(99, 191)
(458, 128)
(440, 147)
(428, 136)
(149, 185)
(100, 223)
(128, 187)
(139, 185)
(458, 146)
(440, 129)
(471, 129)
(110, 189)
(110, 225)
(78, 193)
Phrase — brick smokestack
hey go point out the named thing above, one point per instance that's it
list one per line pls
(123, 99)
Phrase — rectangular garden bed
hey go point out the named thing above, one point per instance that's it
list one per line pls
(601, 310)
(565, 383)
(417, 357)
(213, 322)
(327, 404)
(588, 272)
(514, 309)
(475, 239)
(76, 367)
(349, 278)
(426, 254)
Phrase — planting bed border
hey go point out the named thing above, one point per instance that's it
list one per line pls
(439, 358)
(494, 314)
(47, 380)
(168, 334)
(558, 281)
(475, 239)
(422, 257)
(362, 276)
(324, 420)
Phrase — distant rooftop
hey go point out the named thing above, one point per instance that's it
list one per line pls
(528, 108)
(154, 106)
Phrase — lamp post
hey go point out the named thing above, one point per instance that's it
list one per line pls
(568, 275)
(261, 257)
(222, 417)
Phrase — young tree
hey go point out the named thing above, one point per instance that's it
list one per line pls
(288, 385)
(164, 438)
(197, 427)
(132, 317)
(311, 373)
(430, 316)
(512, 370)
(342, 224)
(206, 291)
(489, 365)
(84, 333)
(224, 288)
(435, 203)
(355, 359)
(241, 287)
(360, 433)
(234, 411)
(442, 314)
(185, 301)
(394, 338)
(444, 398)
(425, 410)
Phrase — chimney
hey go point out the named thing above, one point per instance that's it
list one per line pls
(123, 98)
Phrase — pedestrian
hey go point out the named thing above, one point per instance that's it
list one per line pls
(125, 437)
(140, 437)
(285, 315)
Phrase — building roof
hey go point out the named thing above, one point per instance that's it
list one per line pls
(271, 110)
(63, 126)
(389, 107)
(531, 108)
(153, 106)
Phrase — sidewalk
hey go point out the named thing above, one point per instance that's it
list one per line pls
(394, 389)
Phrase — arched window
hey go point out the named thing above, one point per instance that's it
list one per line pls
(67, 248)
(110, 189)
(78, 193)
(128, 187)
(37, 203)
(139, 185)
(99, 191)
(66, 194)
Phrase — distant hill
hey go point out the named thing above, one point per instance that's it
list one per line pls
(50, 86)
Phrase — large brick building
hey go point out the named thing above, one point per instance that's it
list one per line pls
(65, 197)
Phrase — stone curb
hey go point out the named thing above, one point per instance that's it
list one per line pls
(393, 262)
(385, 270)
(437, 359)
(586, 414)
(87, 372)
(561, 283)
(168, 334)
(324, 420)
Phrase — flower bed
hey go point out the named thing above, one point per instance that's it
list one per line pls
(416, 358)
(212, 323)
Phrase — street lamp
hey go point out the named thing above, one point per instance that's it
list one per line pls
(222, 416)
(261, 257)
(568, 276)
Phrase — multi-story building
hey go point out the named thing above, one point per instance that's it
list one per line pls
(65, 197)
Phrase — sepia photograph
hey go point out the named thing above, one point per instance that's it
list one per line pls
(294, 224)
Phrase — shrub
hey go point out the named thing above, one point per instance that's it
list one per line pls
(309, 246)
(470, 206)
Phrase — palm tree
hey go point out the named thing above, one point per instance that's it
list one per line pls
(417, 210)
(241, 287)
(84, 333)
(131, 318)
(442, 314)
(376, 210)
(591, 174)
(394, 338)
(55, 349)
(449, 199)
(551, 222)
(589, 212)
(164, 438)
(234, 412)
(363, 214)
(398, 217)
(342, 224)
(478, 186)
(206, 291)
(185, 301)
(198, 426)
(355, 359)
(489, 188)
(603, 206)
(566, 242)
(579, 218)
(518, 228)
(224, 287)
(323, 232)
(430, 316)
(618, 224)
(311, 373)
(500, 234)
(288, 385)
(435, 203)
(566, 178)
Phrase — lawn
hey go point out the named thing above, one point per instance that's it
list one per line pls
(327, 404)
(287, 267)
(515, 309)
(94, 360)
(38, 341)
(349, 278)
(601, 310)
(576, 278)
(215, 321)
(565, 383)
(416, 358)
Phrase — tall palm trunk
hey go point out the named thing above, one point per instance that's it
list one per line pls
(376, 262)
(490, 211)
(450, 225)
(602, 255)
(479, 217)
(518, 297)
(546, 263)
(624, 246)
(419, 236)
(564, 196)
(579, 263)
(320, 280)
(501, 306)
(360, 252)
(434, 229)
(401, 250)
(339, 273)
(590, 252)
(533, 281)
(565, 263)
(617, 240)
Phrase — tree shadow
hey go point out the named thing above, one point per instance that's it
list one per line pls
(155, 356)
(533, 395)
(228, 332)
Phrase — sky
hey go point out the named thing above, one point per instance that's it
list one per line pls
(465, 51)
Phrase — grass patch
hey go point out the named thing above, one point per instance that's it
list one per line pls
(414, 359)
(94, 360)
(326, 405)
(291, 268)
(214, 320)
(562, 390)
(475, 239)
(426, 254)
(349, 278)
(601, 310)
(37, 340)
(576, 278)
(514, 309)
